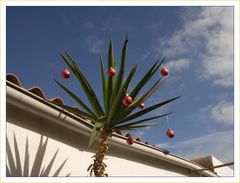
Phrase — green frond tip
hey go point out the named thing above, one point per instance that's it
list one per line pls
(95, 132)
(104, 85)
(120, 74)
(77, 99)
(147, 110)
(142, 120)
(89, 92)
(122, 92)
(110, 55)
(134, 127)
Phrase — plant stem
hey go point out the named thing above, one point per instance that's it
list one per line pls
(102, 149)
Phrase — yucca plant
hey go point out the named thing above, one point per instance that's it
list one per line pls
(116, 112)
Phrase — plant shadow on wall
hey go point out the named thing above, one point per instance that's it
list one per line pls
(16, 168)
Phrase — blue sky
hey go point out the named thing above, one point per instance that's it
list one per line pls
(197, 43)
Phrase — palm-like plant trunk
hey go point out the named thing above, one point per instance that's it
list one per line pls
(102, 149)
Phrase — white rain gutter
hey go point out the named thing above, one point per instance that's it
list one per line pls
(22, 98)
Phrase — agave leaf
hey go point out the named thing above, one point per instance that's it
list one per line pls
(120, 116)
(144, 120)
(101, 119)
(86, 86)
(91, 96)
(110, 55)
(110, 79)
(126, 111)
(89, 167)
(74, 110)
(78, 100)
(95, 132)
(146, 78)
(67, 62)
(147, 110)
(118, 100)
(134, 127)
(103, 84)
(120, 75)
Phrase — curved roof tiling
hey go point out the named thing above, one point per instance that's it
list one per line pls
(36, 90)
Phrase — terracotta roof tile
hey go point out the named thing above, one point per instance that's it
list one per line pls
(137, 139)
(36, 90)
(13, 79)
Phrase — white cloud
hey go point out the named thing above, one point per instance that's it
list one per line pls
(207, 36)
(178, 65)
(94, 44)
(218, 144)
(110, 23)
(89, 25)
(155, 25)
(145, 55)
(221, 112)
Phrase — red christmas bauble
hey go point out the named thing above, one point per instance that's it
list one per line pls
(141, 106)
(111, 72)
(127, 100)
(164, 71)
(65, 74)
(170, 133)
(129, 140)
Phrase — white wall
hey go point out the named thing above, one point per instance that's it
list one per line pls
(29, 118)
(222, 171)
(78, 160)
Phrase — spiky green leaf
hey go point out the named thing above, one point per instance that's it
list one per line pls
(122, 92)
(147, 110)
(142, 120)
(146, 78)
(120, 75)
(78, 100)
(134, 127)
(91, 96)
(124, 113)
(110, 84)
(74, 110)
(95, 132)
(104, 87)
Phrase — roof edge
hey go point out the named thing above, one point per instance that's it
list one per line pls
(38, 105)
